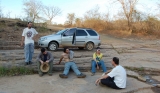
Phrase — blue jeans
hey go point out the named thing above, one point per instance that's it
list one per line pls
(72, 65)
(100, 63)
(29, 51)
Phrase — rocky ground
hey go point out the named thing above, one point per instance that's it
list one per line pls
(139, 57)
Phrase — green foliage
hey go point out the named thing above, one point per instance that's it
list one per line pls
(15, 71)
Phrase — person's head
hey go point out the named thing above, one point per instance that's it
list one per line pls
(115, 61)
(98, 51)
(29, 24)
(43, 51)
(66, 50)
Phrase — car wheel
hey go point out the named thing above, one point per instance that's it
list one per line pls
(81, 48)
(89, 46)
(53, 46)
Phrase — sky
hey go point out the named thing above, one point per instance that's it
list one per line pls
(79, 7)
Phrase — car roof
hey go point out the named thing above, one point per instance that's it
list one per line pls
(80, 28)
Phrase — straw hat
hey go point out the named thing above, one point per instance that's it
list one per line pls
(44, 67)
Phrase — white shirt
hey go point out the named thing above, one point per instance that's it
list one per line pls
(29, 34)
(119, 74)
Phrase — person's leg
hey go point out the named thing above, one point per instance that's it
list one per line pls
(75, 68)
(103, 66)
(50, 67)
(109, 82)
(31, 48)
(93, 68)
(26, 53)
(39, 71)
(66, 68)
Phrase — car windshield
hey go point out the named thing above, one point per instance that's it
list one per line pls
(61, 31)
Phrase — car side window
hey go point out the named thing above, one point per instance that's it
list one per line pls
(70, 32)
(81, 33)
(92, 33)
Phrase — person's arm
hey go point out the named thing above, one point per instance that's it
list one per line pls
(60, 60)
(94, 58)
(39, 58)
(108, 71)
(35, 34)
(50, 56)
(23, 34)
(71, 55)
(112, 73)
(101, 56)
(34, 37)
(22, 42)
(103, 77)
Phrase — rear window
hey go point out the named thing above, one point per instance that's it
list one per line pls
(92, 33)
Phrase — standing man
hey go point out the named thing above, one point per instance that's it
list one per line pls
(116, 78)
(67, 56)
(45, 58)
(28, 37)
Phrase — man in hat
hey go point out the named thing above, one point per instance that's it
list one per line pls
(116, 78)
(97, 62)
(69, 63)
(45, 58)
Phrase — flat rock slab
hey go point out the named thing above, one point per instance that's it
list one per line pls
(54, 84)
(156, 77)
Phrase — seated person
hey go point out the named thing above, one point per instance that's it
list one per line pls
(116, 78)
(97, 62)
(45, 58)
(69, 63)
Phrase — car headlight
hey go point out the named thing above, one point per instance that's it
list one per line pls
(44, 38)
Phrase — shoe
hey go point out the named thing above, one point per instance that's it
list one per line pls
(30, 62)
(26, 63)
(81, 76)
(63, 76)
(92, 74)
(103, 74)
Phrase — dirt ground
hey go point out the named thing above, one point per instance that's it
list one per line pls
(134, 53)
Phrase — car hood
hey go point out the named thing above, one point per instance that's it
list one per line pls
(49, 36)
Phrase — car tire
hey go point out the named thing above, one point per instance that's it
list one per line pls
(53, 46)
(89, 46)
(81, 48)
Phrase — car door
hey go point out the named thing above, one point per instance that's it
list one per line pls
(67, 37)
(81, 37)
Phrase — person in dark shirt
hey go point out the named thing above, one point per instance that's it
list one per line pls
(43, 58)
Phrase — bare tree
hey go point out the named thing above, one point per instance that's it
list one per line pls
(94, 19)
(51, 12)
(8, 14)
(128, 7)
(78, 22)
(1, 13)
(93, 13)
(71, 18)
(33, 8)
